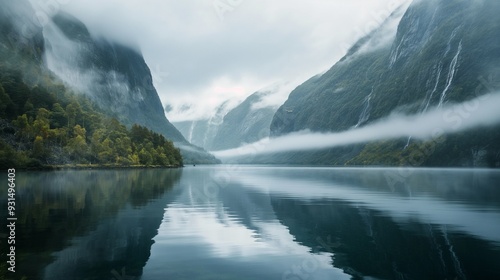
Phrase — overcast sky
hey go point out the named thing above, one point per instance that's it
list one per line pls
(202, 52)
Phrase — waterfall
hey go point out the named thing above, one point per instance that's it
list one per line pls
(209, 131)
(448, 47)
(449, 79)
(395, 54)
(211, 128)
(193, 123)
(451, 74)
(365, 114)
(429, 98)
(407, 143)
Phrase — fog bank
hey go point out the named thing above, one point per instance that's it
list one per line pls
(479, 112)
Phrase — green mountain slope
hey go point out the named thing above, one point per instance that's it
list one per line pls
(43, 122)
(442, 52)
(115, 76)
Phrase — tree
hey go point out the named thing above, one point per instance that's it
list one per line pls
(79, 131)
(41, 125)
(77, 146)
(38, 148)
(25, 131)
(29, 108)
(51, 124)
(5, 104)
(123, 146)
(106, 154)
(145, 157)
(58, 118)
(73, 110)
(134, 159)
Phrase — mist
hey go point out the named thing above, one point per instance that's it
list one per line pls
(201, 56)
(385, 35)
(479, 112)
(275, 95)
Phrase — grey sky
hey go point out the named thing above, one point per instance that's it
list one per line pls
(204, 51)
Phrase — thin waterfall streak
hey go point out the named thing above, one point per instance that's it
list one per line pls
(191, 131)
(438, 77)
(395, 54)
(451, 74)
(407, 143)
(365, 114)
(210, 128)
(448, 46)
(428, 98)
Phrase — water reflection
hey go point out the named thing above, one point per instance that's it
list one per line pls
(229, 232)
(466, 200)
(322, 223)
(88, 224)
(222, 222)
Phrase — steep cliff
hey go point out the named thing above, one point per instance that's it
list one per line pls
(60, 49)
(115, 76)
(441, 52)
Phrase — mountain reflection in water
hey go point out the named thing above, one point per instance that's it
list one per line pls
(259, 222)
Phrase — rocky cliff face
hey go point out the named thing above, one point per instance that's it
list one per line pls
(115, 76)
(441, 52)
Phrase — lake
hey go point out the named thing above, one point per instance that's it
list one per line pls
(256, 222)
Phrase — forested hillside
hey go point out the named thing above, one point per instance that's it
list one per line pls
(49, 125)
(44, 123)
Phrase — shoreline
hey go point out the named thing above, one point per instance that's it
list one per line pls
(94, 166)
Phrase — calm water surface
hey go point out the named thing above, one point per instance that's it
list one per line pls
(257, 222)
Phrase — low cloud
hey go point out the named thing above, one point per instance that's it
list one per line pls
(211, 55)
(275, 95)
(479, 112)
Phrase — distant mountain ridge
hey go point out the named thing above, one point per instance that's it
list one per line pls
(203, 131)
(245, 123)
(230, 127)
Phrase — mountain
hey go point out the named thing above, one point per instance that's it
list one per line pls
(21, 39)
(441, 52)
(249, 121)
(232, 126)
(53, 58)
(114, 76)
(43, 123)
(202, 132)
